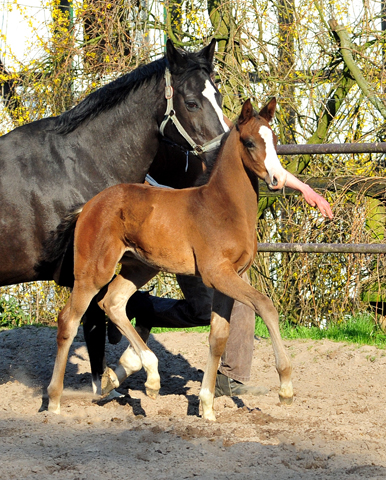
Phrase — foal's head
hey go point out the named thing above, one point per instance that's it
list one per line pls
(258, 144)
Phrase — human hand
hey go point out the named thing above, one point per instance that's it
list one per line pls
(316, 200)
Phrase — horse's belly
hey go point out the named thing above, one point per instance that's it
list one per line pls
(165, 259)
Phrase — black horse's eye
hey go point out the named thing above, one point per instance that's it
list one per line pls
(191, 105)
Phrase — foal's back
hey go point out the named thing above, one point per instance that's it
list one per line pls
(155, 225)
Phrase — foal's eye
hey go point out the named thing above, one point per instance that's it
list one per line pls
(248, 144)
(191, 105)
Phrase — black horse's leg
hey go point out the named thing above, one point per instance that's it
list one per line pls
(94, 328)
(141, 308)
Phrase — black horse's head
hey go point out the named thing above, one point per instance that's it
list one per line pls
(193, 100)
(184, 93)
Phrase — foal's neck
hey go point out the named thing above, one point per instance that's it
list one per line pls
(231, 178)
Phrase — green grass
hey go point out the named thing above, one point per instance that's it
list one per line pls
(193, 329)
(360, 329)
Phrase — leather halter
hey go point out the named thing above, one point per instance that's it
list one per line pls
(170, 114)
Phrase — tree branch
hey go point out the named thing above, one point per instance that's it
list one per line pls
(346, 48)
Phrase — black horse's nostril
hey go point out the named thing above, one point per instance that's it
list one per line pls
(274, 182)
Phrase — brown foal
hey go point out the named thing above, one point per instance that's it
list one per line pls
(207, 231)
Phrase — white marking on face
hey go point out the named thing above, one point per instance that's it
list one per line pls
(272, 162)
(209, 93)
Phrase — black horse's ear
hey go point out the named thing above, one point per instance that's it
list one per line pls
(246, 113)
(208, 51)
(175, 58)
(268, 112)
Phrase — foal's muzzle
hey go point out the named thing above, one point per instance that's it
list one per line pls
(276, 182)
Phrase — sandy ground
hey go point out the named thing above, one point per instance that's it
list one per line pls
(335, 429)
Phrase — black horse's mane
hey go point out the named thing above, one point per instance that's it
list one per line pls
(116, 91)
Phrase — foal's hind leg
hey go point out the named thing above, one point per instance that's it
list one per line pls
(68, 323)
(228, 282)
(138, 354)
(219, 333)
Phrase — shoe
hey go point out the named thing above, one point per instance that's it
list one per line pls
(233, 388)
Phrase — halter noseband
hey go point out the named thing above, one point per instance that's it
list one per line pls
(170, 114)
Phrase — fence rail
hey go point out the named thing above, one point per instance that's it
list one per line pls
(373, 187)
(369, 186)
(374, 248)
(318, 148)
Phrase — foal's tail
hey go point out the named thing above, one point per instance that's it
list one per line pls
(57, 259)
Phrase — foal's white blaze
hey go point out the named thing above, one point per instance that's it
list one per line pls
(209, 92)
(272, 162)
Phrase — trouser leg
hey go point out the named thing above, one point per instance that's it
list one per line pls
(236, 361)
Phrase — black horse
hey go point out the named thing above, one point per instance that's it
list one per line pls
(49, 166)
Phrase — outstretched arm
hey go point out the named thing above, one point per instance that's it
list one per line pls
(310, 196)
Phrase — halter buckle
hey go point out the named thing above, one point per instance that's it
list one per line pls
(198, 150)
(169, 92)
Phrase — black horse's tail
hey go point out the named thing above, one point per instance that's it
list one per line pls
(57, 260)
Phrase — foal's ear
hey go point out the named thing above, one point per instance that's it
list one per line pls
(175, 58)
(208, 51)
(246, 113)
(268, 112)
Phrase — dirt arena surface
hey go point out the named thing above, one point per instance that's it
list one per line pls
(336, 428)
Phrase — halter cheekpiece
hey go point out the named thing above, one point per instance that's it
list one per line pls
(170, 114)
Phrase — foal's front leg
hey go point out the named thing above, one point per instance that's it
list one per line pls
(138, 354)
(219, 333)
(228, 282)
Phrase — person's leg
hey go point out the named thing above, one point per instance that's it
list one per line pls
(236, 362)
(195, 310)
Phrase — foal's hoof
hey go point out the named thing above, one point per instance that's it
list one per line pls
(210, 416)
(286, 400)
(107, 382)
(153, 394)
(54, 408)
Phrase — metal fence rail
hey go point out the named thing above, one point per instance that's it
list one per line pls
(319, 148)
(331, 148)
(322, 247)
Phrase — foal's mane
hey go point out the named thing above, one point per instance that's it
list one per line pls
(116, 91)
(211, 162)
(203, 179)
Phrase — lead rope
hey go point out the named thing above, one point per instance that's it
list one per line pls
(150, 180)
